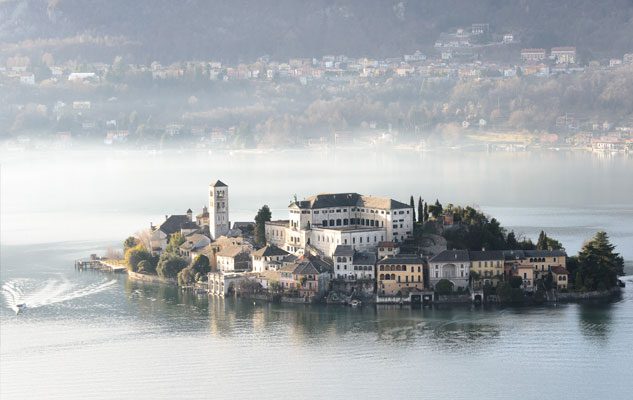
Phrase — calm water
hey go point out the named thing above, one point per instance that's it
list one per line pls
(89, 337)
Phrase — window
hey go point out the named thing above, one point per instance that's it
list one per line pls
(345, 221)
(338, 222)
(324, 222)
(331, 222)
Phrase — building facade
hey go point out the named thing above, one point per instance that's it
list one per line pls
(325, 221)
(399, 275)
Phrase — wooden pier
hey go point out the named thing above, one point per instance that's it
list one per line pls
(101, 264)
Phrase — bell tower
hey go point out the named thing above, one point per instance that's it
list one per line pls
(219, 223)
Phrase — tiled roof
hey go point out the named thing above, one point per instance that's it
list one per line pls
(402, 259)
(269, 251)
(364, 258)
(219, 183)
(545, 253)
(343, 251)
(175, 223)
(559, 270)
(329, 200)
(486, 255)
(451, 256)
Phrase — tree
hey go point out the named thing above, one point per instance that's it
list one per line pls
(598, 264)
(444, 286)
(511, 241)
(146, 267)
(136, 254)
(201, 264)
(546, 243)
(263, 216)
(420, 210)
(412, 204)
(174, 242)
(130, 242)
(426, 211)
(170, 264)
(516, 282)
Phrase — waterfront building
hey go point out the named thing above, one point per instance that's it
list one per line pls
(308, 277)
(219, 223)
(268, 258)
(399, 275)
(223, 284)
(233, 258)
(532, 265)
(453, 265)
(363, 266)
(342, 259)
(325, 221)
(561, 277)
(489, 266)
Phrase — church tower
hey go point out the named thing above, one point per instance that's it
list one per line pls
(219, 223)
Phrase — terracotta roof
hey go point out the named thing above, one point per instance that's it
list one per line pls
(559, 270)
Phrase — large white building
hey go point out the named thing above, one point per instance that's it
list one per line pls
(325, 221)
(219, 223)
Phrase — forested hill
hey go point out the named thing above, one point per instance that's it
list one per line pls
(232, 30)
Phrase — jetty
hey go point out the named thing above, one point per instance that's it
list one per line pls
(101, 264)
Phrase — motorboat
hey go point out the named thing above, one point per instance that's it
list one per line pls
(19, 308)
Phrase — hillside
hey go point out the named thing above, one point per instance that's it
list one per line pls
(246, 29)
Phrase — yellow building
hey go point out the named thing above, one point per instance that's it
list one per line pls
(532, 265)
(489, 266)
(399, 274)
(561, 277)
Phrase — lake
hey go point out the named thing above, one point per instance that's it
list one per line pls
(94, 335)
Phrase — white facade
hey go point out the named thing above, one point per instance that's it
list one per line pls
(453, 265)
(219, 223)
(328, 220)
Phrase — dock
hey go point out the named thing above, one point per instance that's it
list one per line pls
(101, 264)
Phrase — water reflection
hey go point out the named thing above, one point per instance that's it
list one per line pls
(595, 321)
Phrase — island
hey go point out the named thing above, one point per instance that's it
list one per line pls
(354, 249)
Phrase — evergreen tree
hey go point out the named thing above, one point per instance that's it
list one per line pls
(412, 204)
(263, 215)
(545, 242)
(420, 210)
(511, 241)
(426, 211)
(599, 265)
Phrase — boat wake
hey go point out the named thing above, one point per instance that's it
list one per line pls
(20, 294)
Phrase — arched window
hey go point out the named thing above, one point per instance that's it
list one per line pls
(331, 222)
(393, 277)
(324, 223)
(338, 259)
(382, 267)
(382, 276)
(344, 221)
(338, 222)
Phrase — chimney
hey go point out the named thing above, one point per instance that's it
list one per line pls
(166, 217)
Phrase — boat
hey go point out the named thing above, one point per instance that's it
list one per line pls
(19, 308)
(355, 303)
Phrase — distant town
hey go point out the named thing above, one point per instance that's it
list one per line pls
(353, 249)
(333, 100)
